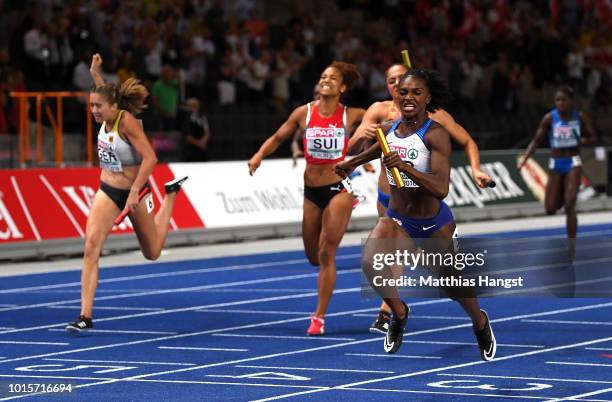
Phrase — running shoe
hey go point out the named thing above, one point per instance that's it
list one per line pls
(381, 323)
(175, 185)
(395, 334)
(81, 324)
(486, 340)
(317, 326)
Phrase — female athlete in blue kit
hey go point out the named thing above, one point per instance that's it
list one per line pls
(421, 152)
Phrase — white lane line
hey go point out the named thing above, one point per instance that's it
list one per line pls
(35, 343)
(604, 349)
(154, 381)
(1, 328)
(256, 325)
(434, 393)
(119, 331)
(182, 290)
(526, 378)
(209, 349)
(576, 397)
(318, 369)
(7, 305)
(570, 322)
(322, 338)
(111, 308)
(507, 345)
(434, 330)
(223, 268)
(444, 368)
(581, 364)
(393, 356)
(178, 310)
(254, 312)
(211, 331)
(120, 361)
(337, 291)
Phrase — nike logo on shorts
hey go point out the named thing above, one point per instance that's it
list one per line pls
(428, 227)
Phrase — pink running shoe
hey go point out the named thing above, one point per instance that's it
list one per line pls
(317, 326)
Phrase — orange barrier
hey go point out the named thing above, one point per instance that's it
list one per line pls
(57, 123)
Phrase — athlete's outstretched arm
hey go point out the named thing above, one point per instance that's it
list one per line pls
(281, 135)
(463, 138)
(365, 134)
(132, 129)
(343, 169)
(94, 70)
(437, 181)
(543, 128)
(296, 147)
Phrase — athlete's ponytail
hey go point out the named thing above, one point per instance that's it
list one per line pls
(130, 96)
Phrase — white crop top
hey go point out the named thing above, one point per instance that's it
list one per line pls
(412, 150)
(113, 151)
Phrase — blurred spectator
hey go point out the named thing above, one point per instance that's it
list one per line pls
(36, 46)
(165, 97)
(81, 77)
(472, 75)
(196, 132)
(378, 83)
(257, 27)
(226, 86)
(575, 67)
(126, 69)
(280, 82)
(259, 74)
(61, 55)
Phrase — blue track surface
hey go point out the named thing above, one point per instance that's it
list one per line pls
(234, 329)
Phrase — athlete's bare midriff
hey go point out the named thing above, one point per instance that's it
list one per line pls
(564, 152)
(122, 180)
(320, 175)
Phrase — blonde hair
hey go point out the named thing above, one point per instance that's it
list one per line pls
(130, 95)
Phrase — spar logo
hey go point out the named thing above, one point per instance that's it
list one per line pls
(413, 153)
(324, 132)
(401, 151)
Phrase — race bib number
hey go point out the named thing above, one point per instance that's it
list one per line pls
(150, 203)
(325, 143)
(109, 161)
(408, 182)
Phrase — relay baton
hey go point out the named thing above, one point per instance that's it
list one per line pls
(125, 212)
(406, 58)
(384, 145)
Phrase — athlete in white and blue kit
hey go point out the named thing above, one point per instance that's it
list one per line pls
(565, 127)
(421, 152)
